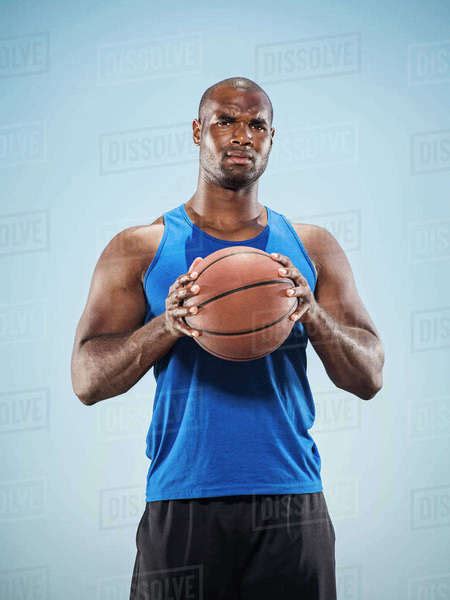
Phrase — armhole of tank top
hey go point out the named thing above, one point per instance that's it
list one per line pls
(302, 248)
(157, 253)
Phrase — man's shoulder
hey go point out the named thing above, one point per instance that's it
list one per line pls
(138, 239)
(314, 234)
(145, 236)
(136, 246)
(317, 241)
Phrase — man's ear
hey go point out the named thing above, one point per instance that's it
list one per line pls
(196, 131)
(272, 133)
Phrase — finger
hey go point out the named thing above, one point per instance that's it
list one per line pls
(280, 258)
(172, 301)
(184, 279)
(293, 273)
(179, 323)
(296, 315)
(174, 286)
(188, 292)
(289, 272)
(180, 293)
(178, 297)
(185, 292)
(189, 332)
(285, 272)
(194, 263)
(177, 283)
(184, 327)
(182, 311)
(296, 291)
(192, 290)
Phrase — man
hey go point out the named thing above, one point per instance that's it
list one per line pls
(234, 503)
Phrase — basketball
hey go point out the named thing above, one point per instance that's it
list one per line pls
(243, 307)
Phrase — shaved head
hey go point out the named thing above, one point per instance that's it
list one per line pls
(241, 84)
(224, 108)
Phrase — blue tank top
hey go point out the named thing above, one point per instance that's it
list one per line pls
(222, 427)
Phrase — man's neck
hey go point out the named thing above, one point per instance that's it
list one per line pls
(226, 209)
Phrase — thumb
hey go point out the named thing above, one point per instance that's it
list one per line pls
(194, 263)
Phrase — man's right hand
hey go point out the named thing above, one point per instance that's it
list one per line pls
(183, 287)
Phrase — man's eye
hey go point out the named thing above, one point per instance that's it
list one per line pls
(228, 121)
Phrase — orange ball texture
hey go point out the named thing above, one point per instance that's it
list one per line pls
(243, 307)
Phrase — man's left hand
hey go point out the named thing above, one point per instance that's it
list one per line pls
(307, 306)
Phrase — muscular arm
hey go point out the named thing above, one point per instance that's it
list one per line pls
(112, 348)
(340, 328)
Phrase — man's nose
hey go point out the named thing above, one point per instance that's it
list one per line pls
(242, 134)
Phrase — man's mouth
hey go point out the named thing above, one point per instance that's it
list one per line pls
(239, 158)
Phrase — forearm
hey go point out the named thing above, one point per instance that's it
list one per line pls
(353, 357)
(109, 365)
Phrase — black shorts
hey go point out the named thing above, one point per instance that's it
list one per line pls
(236, 548)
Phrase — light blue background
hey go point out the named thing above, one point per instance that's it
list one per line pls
(353, 152)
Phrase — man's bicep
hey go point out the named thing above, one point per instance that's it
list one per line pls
(335, 289)
(116, 301)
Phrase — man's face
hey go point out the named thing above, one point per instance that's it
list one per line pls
(235, 122)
